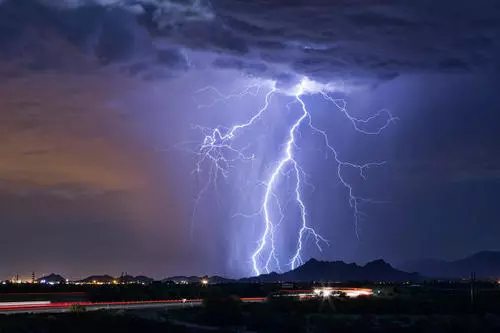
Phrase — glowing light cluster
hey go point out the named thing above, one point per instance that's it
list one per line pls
(218, 151)
(349, 292)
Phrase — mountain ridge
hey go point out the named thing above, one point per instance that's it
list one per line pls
(485, 264)
(339, 271)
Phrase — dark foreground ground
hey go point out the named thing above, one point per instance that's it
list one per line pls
(372, 314)
(227, 314)
(129, 323)
(91, 322)
(427, 308)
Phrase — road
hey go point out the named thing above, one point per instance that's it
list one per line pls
(65, 307)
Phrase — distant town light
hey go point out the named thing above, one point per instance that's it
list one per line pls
(204, 281)
(348, 292)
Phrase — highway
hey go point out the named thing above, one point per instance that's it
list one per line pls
(65, 307)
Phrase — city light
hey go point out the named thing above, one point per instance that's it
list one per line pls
(326, 292)
(323, 292)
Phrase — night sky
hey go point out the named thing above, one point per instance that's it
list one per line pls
(95, 97)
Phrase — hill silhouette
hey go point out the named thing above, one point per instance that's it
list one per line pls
(122, 279)
(182, 278)
(51, 278)
(485, 264)
(196, 279)
(134, 279)
(98, 279)
(339, 271)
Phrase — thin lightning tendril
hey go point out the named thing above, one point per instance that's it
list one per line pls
(219, 150)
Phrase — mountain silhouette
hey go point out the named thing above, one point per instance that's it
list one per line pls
(339, 271)
(52, 278)
(98, 279)
(485, 264)
(182, 278)
(196, 279)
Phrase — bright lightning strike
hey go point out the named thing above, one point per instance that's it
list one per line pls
(221, 153)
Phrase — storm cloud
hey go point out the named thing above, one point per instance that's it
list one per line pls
(321, 39)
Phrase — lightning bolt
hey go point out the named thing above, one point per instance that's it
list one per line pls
(219, 150)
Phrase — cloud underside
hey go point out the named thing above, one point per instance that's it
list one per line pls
(321, 39)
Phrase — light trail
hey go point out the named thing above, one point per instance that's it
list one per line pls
(66, 306)
(219, 150)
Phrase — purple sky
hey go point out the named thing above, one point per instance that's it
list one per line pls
(94, 99)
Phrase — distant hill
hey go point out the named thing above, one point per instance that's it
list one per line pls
(52, 279)
(180, 278)
(219, 280)
(98, 279)
(193, 279)
(485, 264)
(122, 279)
(143, 279)
(339, 271)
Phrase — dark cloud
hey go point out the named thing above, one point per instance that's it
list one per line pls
(324, 39)
(378, 39)
(241, 65)
(173, 58)
(39, 36)
(347, 39)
